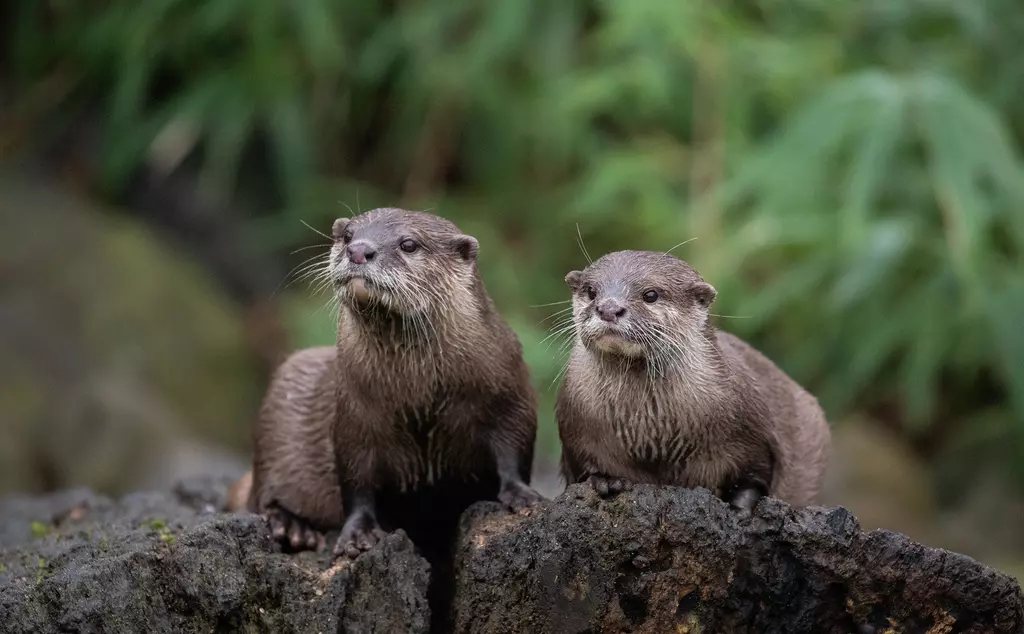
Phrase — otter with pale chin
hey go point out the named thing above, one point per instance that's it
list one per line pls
(422, 407)
(653, 393)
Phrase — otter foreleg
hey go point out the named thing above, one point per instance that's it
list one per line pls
(577, 468)
(513, 490)
(744, 499)
(744, 491)
(361, 531)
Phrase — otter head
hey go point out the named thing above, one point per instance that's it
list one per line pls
(400, 262)
(640, 304)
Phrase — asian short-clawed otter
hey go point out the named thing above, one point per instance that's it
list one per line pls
(423, 407)
(653, 393)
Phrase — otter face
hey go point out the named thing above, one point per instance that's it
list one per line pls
(640, 304)
(404, 262)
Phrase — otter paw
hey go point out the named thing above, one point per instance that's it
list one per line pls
(744, 501)
(291, 531)
(607, 486)
(356, 540)
(519, 496)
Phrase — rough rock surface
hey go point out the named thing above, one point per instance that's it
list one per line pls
(169, 562)
(648, 560)
(675, 560)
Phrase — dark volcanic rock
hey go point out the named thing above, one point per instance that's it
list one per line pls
(77, 562)
(648, 560)
(676, 560)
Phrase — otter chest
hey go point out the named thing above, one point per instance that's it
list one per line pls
(661, 440)
(427, 446)
(655, 441)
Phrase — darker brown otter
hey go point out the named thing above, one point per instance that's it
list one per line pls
(423, 407)
(653, 393)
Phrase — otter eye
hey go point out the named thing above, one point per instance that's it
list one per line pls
(346, 237)
(651, 296)
(408, 246)
(591, 293)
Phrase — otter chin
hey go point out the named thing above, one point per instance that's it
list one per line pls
(358, 287)
(613, 342)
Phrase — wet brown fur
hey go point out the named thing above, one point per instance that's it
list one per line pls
(423, 402)
(672, 400)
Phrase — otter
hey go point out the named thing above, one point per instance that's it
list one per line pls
(653, 393)
(422, 407)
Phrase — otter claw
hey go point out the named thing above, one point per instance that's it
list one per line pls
(607, 486)
(360, 533)
(289, 530)
(745, 500)
(358, 541)
(519, 496)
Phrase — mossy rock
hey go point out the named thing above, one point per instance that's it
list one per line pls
(113, 347)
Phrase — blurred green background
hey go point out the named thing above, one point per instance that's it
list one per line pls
(849, 173)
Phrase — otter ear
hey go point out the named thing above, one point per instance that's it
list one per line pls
(572, 278)
(466, 246)
(704, 293)
(339, 227)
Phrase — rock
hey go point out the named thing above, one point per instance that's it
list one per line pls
(118, 356)
(648, 560)
(675, 560)
(170, 562)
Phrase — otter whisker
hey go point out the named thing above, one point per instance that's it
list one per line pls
(328, 303)
(565, 301)
(313, 269)
(570, 327)
(309, 246)
(319, 284)
(322, 286)
(309, 263)
(560, 374)
(673, 349)
(568, 343)
(681, 244)
(561, 321)
(316, 260)
(554, 315)
(316, 231)
(687, 354)
(583, 247)
(564, 346)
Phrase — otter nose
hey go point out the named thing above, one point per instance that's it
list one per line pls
(360, 252)
(610, 310)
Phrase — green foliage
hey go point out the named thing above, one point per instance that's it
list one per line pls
(848, 167)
